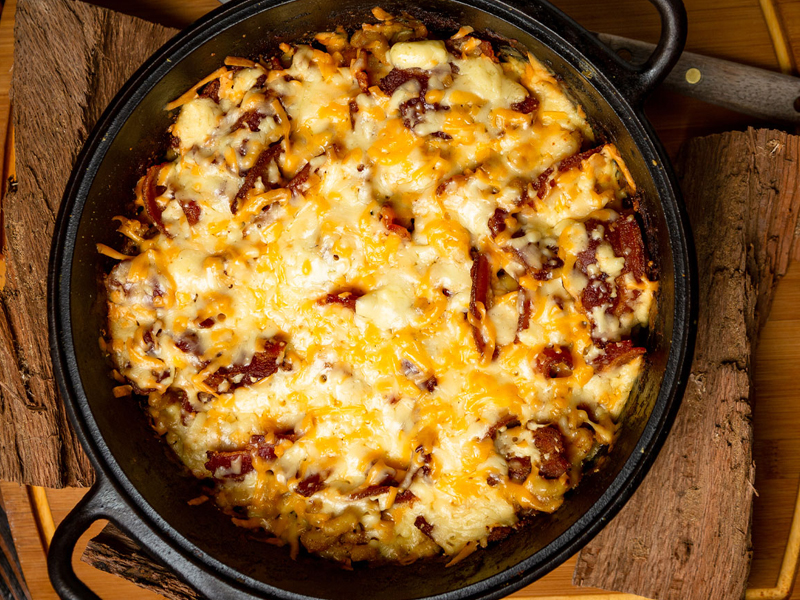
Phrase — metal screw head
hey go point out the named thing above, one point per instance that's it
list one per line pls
(693, 76)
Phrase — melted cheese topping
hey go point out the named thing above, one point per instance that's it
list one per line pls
(405, 408)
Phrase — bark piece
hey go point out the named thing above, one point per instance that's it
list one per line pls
(686, 531)
(70, 59)
(114, 552)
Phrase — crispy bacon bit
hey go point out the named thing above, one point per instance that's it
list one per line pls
(524, 307)
(263, 364)
(413, 372)
(398, 77)
(259, 169)
(481, 275)
(149, 194)
(508, 421)
(411, 112)
(262, 79)
(392, 223)
(550, 262)
(616, 354)
(250, 119)
(442, 135)
(346, 298)
(422, 524)
(576, 159)
(353, 107)
(262, 448)
(481, 48)
(625, 238)
(554, 362)
(499, 533)
(192, 211)
(211, 90)
(519, 467)
(298, 183)
(233, 464)
(527, 106)
(493, 479)
(206, 323)
(373, 490)
(189, 343)
(540, 185)
(359, 70)
(497, 222)
(175, 395)
(550, 443)
(404, 496)
(310, 485)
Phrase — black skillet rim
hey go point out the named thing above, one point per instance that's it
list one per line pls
(675, 373)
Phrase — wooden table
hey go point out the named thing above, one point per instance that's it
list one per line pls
(732, 29)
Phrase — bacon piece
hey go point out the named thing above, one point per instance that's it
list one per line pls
(576, 159)
(373, 490)
(550, 443)
(392, 223)
(359, 70)
(524, 306)
(353, 107)
(346, 298)
(481, 278)
(519, 467)
(397, 77)
(310, 485)
(262, 448)
(259, 169)
(442, 135)
(499, 533)
(297, 184)
(616, 354)
(211, 90)
(554, 362)
(404, 496)
(497, 222)
(189, 343)
(234, 464)
(413, 372)
(149, 194)
(482, 48)
(509, 422)
(540, 185)
(192, 211)
(250, 119)
(261, 365)
(207, 323)
(422, 524)
(527, 106)
(625, 238)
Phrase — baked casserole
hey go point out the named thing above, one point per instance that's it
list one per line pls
(383, 291)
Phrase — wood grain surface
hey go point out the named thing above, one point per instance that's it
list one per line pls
(733, 30)
(89, 53)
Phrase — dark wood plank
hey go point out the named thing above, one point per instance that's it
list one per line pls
(88, 53)
(12, 581)
(686, 531)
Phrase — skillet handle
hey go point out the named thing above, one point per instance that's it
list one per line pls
(647, 76)
(104, 502)
(95, 505)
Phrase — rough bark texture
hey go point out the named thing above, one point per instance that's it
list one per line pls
(686, 531)
(113, 552)
(70, 59)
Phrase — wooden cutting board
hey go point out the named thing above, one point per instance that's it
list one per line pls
(669, 133)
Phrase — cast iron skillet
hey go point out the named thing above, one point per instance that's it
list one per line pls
(143, 490)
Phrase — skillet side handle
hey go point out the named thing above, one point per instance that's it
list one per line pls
(96, 504)
(669, 48)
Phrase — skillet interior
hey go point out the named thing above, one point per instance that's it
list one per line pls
(147, 463)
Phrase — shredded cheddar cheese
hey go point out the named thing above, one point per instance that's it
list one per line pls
(380, 295)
